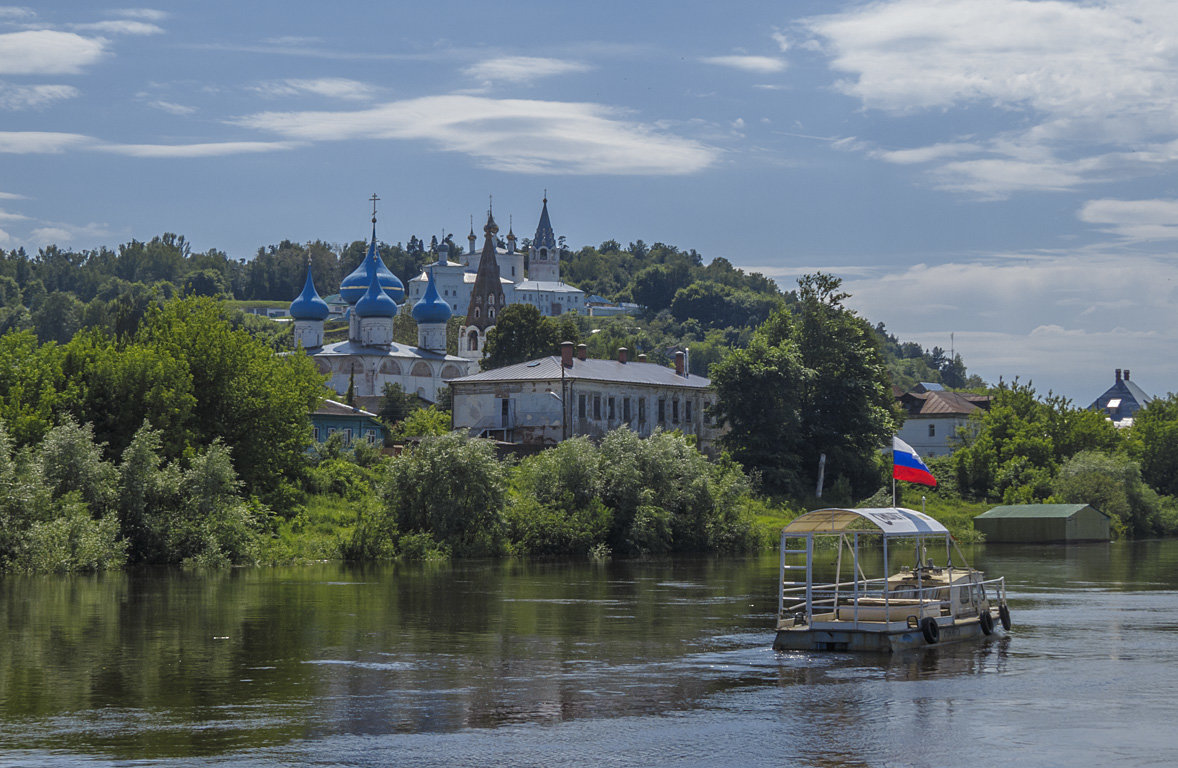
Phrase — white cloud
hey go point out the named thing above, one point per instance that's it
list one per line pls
(40, 142)
(1082, 86)
(1134, 219)
(1058, 319)
(332, 87)
(779, 37)
(18, 97)
(171, 108)
(522, 69)
(927, 154)
(6, 216)
(120, 27)
(516, 135)
(68, 235)
(47, 52)
(11, 196)
(16, 12)
(150, 14)
(211, 149)
(761, 65)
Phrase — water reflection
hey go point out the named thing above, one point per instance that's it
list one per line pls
(350, 665)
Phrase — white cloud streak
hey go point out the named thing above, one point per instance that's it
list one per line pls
(513, 135)
(522, 69)
(120, 27)
(1134, 219)
(17, 97)
(331, 87)
(1089, 90)
(210, 149)
(761, 65)
(47, 52)
(41, 142)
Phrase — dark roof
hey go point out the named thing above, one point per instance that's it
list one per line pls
(939, 402)
(548, 369)
(336, 408)
(1132, 399)
(1036, 510)
(545, 238)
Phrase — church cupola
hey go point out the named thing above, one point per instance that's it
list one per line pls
(486, 298)
(308, 311)
(471, 239)
(432, 314)
(375, 312)
(510, 238)
(355, 285)
(544, 257)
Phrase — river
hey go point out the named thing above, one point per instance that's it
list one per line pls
(660, 663)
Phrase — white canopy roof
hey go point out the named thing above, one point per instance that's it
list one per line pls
(890, 521)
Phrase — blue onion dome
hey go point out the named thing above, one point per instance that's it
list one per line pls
(431, 308)
(355, 285)
(308, 305)
(375, 302)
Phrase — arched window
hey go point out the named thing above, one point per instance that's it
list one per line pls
(473, 341)
(491, 314)
(543, 253)
(476, 313)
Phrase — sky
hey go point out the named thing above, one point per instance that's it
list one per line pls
(995, 177)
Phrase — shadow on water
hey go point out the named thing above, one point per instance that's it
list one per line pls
(664, 662)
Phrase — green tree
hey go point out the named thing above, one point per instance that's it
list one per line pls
(1113, 485)
(1153, 440)
(520, 333)
(808, 384)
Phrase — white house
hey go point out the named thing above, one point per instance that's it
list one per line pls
(544, 401)
(934, 416)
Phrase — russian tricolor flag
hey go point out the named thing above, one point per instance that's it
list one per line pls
(907, 466)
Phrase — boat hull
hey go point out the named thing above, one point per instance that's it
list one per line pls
(870, 641)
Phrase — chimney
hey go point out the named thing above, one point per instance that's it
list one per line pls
(642, 357)
(679, 363)
(623, 353)
(1126, 374)
(582, 351)
(566, 354)
(1118, 374)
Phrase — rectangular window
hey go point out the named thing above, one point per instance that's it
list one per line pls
(662, 410)
(612, 413)
(372, 437)
(687, 411)
(347, 437)
(642, 411)
(626, 410)
(581, 406)
(932, 430)
(675, 411)
(316, 434)
(597, 406)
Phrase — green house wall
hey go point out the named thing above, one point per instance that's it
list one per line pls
(1086, 524)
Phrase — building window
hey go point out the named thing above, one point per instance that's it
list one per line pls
(597, 407)
(626, 410)
(687, 411)
(473, 341)
(932, 430)
(641, 411)
(581, 406)
(372, 437)
(675, 411)
(316, 434)
(476, 313)
(662, 410)
(612, 414)
(347, 437)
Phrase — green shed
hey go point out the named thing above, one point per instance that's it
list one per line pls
(1043, 522)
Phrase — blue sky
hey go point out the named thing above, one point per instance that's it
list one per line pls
(999, 170)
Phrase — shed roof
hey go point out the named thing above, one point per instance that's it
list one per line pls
(1035, 511)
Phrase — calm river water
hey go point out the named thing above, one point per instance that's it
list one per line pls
(664, 663)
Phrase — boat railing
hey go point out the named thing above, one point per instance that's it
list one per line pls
(829, 597)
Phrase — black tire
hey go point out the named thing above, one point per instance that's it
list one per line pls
(1004, 616)
(930, 630)
(987, 622)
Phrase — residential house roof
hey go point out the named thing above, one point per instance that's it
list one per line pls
(548, 369)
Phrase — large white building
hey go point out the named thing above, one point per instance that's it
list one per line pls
(540, 286)
(542, 402)
(369, 358)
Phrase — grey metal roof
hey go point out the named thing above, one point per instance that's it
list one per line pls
(548, 369)
(335, 408)
(390, 350)
(546, 285)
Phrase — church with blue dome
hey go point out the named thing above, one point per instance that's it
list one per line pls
(370, 359)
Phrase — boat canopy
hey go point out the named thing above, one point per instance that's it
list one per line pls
(890, 521)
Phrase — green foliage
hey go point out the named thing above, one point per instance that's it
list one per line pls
(1113, 485)
(1153, 440)
(1015, 449)
(395, 404)
(423, 422)
(522, 333)
(72, 540)
(451, 487)
(809, 383)
(716, 305)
